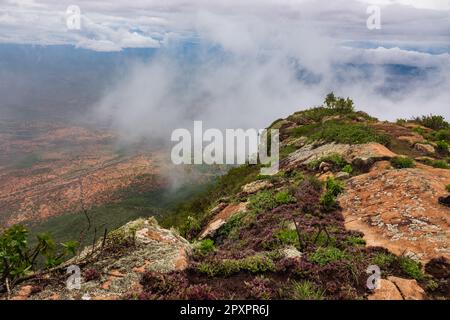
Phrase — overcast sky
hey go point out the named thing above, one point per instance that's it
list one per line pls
(266, 43)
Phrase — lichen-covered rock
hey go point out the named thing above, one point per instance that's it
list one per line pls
(424, 148)
(133, 249)
(291, 252)
(412, 138)
(342, 175)
(362, 155)
(399, 210)
(256, 186)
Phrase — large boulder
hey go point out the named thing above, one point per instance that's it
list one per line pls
(361, 155)
(394, 288)
(409, 288)
(135, 248)
(256, 186)
(386, 291)
(399, 210)
(424, 148)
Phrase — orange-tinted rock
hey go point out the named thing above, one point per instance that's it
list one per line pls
(386, 291)
(399, 210)
(221, 218)
(409, 288)
(23, 293)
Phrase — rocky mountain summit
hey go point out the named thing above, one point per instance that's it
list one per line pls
(352, 193)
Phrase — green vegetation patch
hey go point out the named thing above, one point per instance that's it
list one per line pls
(204, 247)
(335, 159)
(18, 258)
(326, 255)
(383, 259)
(348, 133)
(402, 162)
(440, 164)
(333, 188)
(306, 290)
(268, 200)
(432, 121)
(412, 268)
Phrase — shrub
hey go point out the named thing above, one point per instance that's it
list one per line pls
(441, 164)
(306, 290)
(262, 201)
(333, 189)
(411, 268)
(17, 258)
(190, 227)
(287, 150)
(355, 240)
(323, 256)
(336, 159)
(402, 162)
(287, 237)
(447, 187)
(204, 247)
(231, 226)
(442, 146)
(284, 197)
(432, 121)
(347, 168)
(349, 133)
(318, 113)
(341, 105)
(443, 134)
(383, 259)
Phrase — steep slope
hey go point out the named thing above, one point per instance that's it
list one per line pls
(347, 197)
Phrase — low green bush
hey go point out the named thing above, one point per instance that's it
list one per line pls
(17, 258)
(442, 135)
(411, 268)
(204, 247)
(284, 197)
(432, 121)
(441, 164)
(402, 162)
(447, 187)
(349, 133)
(333, 188)
(347, 168)
(287, 236)
(190, 227)
(355, 241)
(306, 290)
(442, 147)
(325, 255)
(335, 159)
(383, 259)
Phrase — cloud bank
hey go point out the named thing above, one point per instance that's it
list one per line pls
(245, 63)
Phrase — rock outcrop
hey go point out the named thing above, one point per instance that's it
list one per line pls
(399, 210)
(221, 218)
(395, 288)
(115, 272)
(361, 155)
